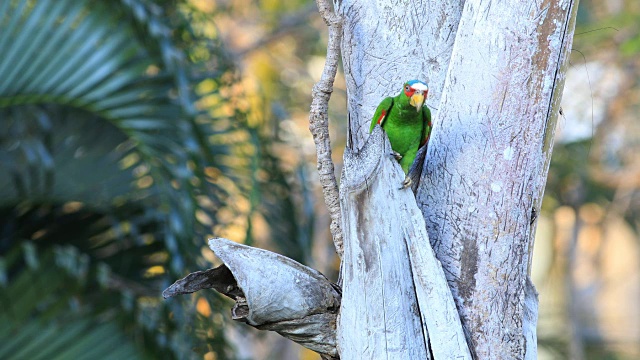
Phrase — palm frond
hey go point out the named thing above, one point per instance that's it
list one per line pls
(112, 78)
(120, 150)
(102, 145)
(42, 317)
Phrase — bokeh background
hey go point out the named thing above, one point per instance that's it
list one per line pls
(133, 130)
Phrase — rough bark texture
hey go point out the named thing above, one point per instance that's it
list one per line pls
(319, 122)
(396, 303)
(272, 292)
(386, 43)
(487, 164)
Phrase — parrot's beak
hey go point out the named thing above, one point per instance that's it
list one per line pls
(417, 100)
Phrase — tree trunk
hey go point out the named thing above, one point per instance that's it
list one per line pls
(488, 161)
(488, 156)
(396, 303)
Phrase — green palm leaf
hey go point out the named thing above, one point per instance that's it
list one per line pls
(43, 327)
(108, 160)
(98, 143)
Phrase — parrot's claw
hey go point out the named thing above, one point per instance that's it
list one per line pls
(396, 155)
(406, 183)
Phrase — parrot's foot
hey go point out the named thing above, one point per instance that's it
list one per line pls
(396, 155)
(406, 183)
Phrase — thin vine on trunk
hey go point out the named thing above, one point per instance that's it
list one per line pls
(319, 122)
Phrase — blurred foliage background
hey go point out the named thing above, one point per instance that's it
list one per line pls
(133, 130)
(587, 251)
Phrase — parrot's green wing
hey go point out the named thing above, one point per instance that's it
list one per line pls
(426, 125)
(382, 111)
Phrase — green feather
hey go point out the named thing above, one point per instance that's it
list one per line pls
(406, 128)
(384, 106)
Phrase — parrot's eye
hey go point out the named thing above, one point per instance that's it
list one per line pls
(407, 88)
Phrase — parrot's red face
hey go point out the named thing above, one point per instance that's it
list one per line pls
(417, 92)
(410, 91)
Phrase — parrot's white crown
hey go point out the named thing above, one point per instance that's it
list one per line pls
(419, 85)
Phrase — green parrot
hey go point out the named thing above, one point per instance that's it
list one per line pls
(407, 124)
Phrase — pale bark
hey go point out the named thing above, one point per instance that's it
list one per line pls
(272, 292)
(487, 163)
(490, 148)
(396, 303)
(384, 45)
